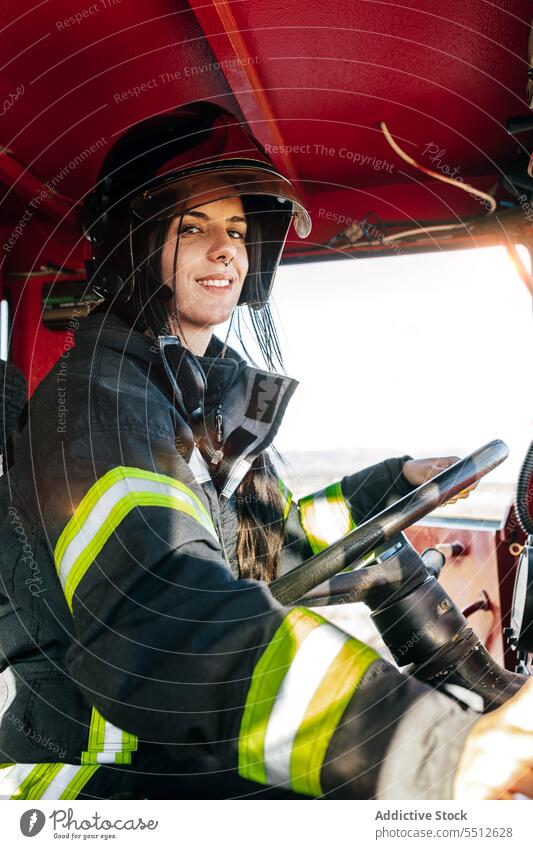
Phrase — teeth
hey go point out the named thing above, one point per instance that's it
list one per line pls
(220, 283)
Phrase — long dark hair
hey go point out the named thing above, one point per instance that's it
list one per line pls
(137, 256)
(261, 532)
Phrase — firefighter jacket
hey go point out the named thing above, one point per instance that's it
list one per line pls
(134, 660)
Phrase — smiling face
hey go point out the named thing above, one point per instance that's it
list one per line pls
(211, 265)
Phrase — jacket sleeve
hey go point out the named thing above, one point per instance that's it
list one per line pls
(169, 648)
(319, 519)
(369, 491)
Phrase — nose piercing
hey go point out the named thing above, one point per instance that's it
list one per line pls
(228, 262)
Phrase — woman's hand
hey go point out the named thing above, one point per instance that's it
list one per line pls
(497, 758)
(418, 472)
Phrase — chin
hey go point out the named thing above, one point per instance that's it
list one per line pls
(210, 321)
(214, 318)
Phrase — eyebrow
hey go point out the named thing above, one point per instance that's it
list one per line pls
(234, 218)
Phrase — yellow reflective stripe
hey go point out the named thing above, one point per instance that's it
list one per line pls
(100, 487)
(74, 788)
(286, 498)
(268, 675)
(47, 780)
(300, 689)
(107, 743)
(96, 733)
(11, 777)
(123, 758)
(130, 743)
(110, 524)
(37, 781)
(325, 517)
(105, 506)
(324, 714)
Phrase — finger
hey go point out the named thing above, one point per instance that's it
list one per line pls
(466, 492)
(444, 462)
(463, 494)
(437, 464)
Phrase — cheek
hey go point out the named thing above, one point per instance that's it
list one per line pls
(167, 261)
(185, 262)
(244, 262)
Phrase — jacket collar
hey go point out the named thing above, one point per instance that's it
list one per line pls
(234, 416)
(242, 406)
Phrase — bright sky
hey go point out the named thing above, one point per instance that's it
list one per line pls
(423, 355)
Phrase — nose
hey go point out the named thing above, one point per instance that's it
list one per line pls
(223, 248)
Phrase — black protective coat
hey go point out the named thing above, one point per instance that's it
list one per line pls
(162, 637)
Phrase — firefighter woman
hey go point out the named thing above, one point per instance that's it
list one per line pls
(142, 652)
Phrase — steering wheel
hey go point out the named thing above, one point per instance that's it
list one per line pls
(351, 549)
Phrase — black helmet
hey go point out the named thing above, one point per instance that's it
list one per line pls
(174, 162)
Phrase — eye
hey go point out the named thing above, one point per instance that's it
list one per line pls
(189, 228)
(237, 234)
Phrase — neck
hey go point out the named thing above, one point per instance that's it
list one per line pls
(196, 339)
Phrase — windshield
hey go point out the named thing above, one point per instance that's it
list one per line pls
(420, 355)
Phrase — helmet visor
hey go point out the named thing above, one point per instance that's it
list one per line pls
(189, 191)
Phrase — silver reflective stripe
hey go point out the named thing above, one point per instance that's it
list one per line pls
(310, 664)
(112, 744)
(98, 516)
(325, 516)
(8, 684)
(235, 478)
(11, 777)
(107, 743)
(330, 521)
(44, 780)
(61, 781)
(198, 466)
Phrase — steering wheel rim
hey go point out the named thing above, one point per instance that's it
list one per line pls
(353, 547)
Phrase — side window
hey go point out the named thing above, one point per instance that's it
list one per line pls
(425, 355)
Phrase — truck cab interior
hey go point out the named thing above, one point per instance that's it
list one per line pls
(408, 131)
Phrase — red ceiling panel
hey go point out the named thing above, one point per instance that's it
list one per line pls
(313, 79)
(451, 72)
(86, 78)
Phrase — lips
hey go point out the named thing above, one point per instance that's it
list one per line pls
(216, 281)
